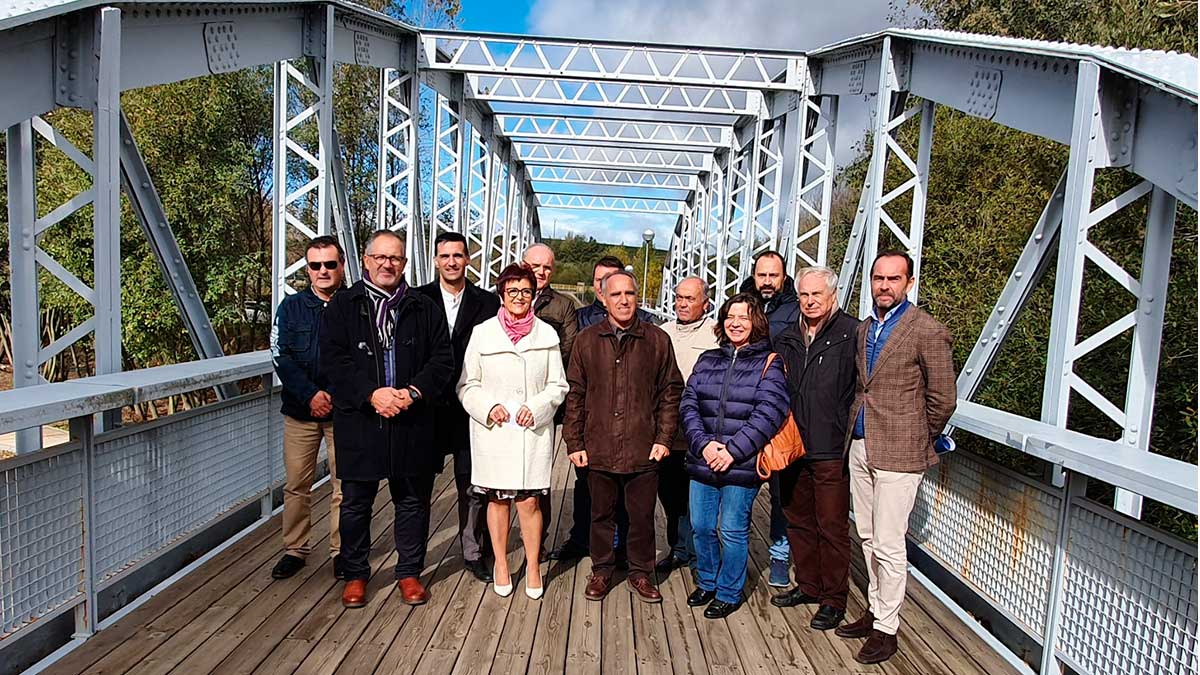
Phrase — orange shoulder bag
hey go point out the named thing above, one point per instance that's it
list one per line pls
(785, 447)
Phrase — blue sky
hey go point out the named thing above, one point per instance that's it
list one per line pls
(782, 24)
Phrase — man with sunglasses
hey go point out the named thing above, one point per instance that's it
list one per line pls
(386, 351)
(307, 408)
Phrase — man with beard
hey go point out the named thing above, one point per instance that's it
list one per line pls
(466, 306)
(771, 283)
(383, 350)
(905, 395)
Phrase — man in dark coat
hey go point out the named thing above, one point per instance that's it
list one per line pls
(596, 312)
(384, 350)
(465, 306)
(769, 280)
(622, 410)
(815, 491)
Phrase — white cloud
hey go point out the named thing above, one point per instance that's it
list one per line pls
(607, 227)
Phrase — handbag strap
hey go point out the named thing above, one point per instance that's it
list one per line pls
(770, 358)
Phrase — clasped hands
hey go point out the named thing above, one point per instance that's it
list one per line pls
(580, 459)
(321, 404)
(389, 401)
(500, 415)
(718, 456)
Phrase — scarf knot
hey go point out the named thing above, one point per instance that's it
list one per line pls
(516, 328)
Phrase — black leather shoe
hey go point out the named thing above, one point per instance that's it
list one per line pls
(720, 610)
(337, 568)
(287, 566)
(569, 551)
(827, 618)
(700, 597)
(878, 648)
(793, 597)
(477, 568)
(667, 565)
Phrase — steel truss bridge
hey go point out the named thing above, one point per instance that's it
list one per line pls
(738, 145)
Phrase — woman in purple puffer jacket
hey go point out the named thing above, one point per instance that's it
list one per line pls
(730, 410)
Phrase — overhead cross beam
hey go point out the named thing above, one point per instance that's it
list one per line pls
(610, 177)
(609, 61)
(615, 131)
(634, 158)
(661, 97)
(556, 200)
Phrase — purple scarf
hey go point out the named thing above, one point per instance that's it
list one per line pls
(385, 306)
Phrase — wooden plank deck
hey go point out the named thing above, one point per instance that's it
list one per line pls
(229, 616)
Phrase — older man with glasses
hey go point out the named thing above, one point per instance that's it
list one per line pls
(384, 350)
(307, 408)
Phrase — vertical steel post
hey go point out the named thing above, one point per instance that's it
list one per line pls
(106, 214)
(873, 188)
(87, 614)
(279, 178)
(323, 66)
(1147, 334)
(916, 223)
(22, 261)
(1076, 486)
(829, 112)
(1068, 279)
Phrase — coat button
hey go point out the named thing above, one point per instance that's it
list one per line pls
(618, 360)
(617, 413)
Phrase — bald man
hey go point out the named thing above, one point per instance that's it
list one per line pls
(557, 310)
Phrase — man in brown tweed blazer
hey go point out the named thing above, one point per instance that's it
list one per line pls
(904, 398)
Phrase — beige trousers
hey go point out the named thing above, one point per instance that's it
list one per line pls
(882, 501)
(301, 443)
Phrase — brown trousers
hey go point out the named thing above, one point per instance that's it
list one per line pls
(301, 443)
(641, 492)
(816, 502)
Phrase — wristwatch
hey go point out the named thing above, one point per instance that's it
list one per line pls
(416, 395)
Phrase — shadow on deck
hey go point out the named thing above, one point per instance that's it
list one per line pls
(229, 616)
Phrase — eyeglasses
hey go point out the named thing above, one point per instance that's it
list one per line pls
(519, 292)
(379, 259)
(328, 264)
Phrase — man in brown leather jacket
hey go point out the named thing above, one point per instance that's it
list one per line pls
(622, 410)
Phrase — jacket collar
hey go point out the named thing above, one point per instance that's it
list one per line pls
(496, 341)
(752, 349)
(636, 329)
(359, 292)
(794, 332)
(899, 333)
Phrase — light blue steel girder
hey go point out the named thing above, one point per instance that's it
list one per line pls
(610, 177)
(617, 132)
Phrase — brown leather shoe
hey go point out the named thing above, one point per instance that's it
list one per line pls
(878, 648)
(644, 589)
(859, 629)
(412, 591)
(597, 587)
(355, 593)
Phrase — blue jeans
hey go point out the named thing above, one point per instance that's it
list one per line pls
(721, 530)
(779, 542)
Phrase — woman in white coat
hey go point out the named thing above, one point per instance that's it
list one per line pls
(512, 382)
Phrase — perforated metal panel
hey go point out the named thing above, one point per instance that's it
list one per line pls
(275, 420)
(157, 483)
(993, 529)
(41, 538)
(1129, 597)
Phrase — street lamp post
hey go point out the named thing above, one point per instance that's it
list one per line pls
(648, 237)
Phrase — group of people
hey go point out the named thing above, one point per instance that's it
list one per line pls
(397, 378)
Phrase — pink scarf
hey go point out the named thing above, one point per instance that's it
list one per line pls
(514, 327)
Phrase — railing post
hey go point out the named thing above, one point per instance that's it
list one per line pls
(1076, 486)
(86, 615)
(267, 503)
(22, 261)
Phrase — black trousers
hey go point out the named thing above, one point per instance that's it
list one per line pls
(581, 528)
(411, 497)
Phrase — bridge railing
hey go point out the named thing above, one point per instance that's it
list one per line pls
(78, 517)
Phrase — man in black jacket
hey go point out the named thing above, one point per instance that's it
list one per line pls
(769, 280)
(307, 409)
(596, 312)
(819, 353)
(384, 350)
(465, 306)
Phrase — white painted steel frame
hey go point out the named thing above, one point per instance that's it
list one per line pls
(554, 200)
(665, 98)
(617, 131)
(610, 177)
(610, 61)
